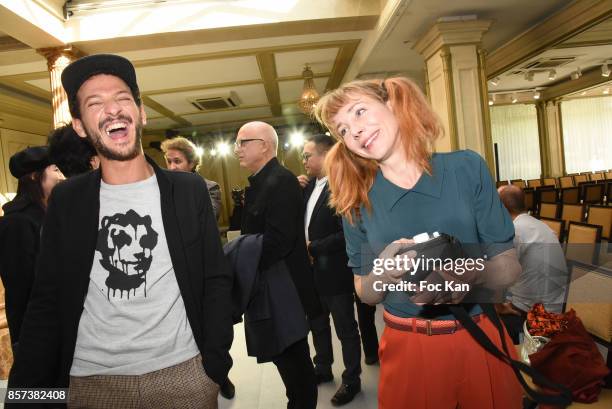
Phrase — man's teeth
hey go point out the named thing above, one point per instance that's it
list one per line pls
(118, 125)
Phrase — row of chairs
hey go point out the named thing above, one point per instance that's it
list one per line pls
(578, 213)
(571, 180)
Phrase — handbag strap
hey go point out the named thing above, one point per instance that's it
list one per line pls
(564, 396)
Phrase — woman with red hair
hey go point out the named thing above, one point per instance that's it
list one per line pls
(389, 187)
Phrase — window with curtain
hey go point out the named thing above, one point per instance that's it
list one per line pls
(587, 134)
(514, 129)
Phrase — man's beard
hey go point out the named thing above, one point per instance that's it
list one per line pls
(104, 151)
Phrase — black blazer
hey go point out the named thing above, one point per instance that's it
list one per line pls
(274, 207)
(327, 246)
(274, 317)
(49, 331)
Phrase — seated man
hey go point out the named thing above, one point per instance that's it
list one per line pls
(544, 276)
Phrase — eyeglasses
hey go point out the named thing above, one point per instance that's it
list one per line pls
(240, 143)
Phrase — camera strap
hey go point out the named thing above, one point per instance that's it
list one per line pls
(564, 396)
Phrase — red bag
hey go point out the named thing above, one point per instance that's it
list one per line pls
(572, 359)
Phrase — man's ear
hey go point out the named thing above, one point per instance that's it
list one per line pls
(143, 114)
(77, 125)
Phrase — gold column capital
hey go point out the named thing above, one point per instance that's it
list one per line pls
(58, 58)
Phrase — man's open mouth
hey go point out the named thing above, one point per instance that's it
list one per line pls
(116, 130)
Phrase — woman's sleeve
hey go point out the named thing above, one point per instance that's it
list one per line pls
(360, 255)
(495, 228)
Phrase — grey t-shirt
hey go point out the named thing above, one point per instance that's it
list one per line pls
(544, 276)
(134, 318)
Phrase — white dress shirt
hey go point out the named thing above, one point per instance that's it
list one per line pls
(312, 201)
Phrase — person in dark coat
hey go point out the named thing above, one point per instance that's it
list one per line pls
(333, 277)
(132, 290)
(20, 229)
(274, 207)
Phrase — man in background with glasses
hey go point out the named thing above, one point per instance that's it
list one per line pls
(274, 207)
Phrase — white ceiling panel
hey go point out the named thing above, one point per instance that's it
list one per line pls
(160, 123)
(292, 63)
(178, 102)
(43, 84)
(291, 90)
(197, 73)
(223, 116)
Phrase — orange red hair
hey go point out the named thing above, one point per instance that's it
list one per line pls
(350, 176)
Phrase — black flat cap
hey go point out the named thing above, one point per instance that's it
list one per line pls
(29, 160)
(79, 71)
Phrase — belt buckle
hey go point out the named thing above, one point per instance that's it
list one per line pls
(428, 327)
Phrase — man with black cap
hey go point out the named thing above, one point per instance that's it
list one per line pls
(131, 306)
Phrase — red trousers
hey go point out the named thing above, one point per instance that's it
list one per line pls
(445, 372)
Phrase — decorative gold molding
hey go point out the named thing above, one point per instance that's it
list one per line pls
(543, 139)
(151, 103)
(29, 89)
(573, 19)
(451, 33)
(341, 64)
(446, 57)
(484, 107)
(239, 108)
(8, 43)
(267, 70)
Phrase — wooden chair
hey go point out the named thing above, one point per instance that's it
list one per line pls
(608, 174)
(592, 193)
(570, 195)
(530, 202)
(519, 183)
(609, 192)
(534, 183)
(589, 294)
(548, 195)
(501, 183)
(583, 242)
(549, 210)
(556, 225)
(566, 181)
(581, 178)
(596, 176)
(549, 181)
(602, 216)
(572, 213)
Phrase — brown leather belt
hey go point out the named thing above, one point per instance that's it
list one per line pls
(423, 326)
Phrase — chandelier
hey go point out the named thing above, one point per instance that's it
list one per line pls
(309, 96)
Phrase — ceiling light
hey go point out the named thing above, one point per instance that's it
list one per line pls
(199, 150)
(605, 70)
(310, 95)
(213, 152)
(223, 148)
(606, 91)
(327, 133)
(552, 74)
(514, 98)
(529, 75)
(576, 74)
(296, 139)
(491, 99)
(536, 94)
(494, 81)
(583, 93)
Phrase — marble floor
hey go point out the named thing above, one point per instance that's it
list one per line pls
(259, 386)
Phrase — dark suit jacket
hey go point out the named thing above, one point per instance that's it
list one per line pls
(274, 206)
(273, 315)
(49, 330)
(327, 246)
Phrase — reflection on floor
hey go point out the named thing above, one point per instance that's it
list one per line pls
(260, 386)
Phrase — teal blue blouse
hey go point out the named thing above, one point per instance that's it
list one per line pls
(458, 198)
